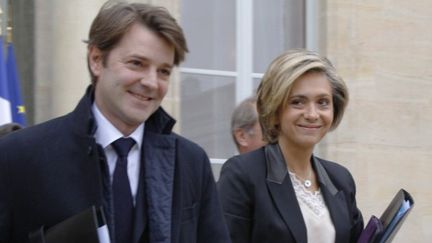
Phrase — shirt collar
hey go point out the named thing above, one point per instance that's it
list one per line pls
(277, 169)
(107, 133)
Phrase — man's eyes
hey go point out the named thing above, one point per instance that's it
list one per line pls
(165, 71)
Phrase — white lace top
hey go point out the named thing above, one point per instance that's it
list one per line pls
(320, 228)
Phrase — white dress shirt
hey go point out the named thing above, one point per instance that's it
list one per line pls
(105, 134)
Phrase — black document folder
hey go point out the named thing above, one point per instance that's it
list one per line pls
(82, 227)
(384, 229)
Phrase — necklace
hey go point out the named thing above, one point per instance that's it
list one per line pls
(306, 182)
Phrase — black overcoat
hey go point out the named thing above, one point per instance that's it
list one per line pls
(54, 170)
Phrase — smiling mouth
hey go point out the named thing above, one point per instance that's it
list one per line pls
(140, 97)
(309, 127)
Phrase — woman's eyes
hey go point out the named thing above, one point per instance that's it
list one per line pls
(324, 102)
(301, 102)
(297, 102)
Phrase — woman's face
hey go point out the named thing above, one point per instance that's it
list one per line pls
(308, 114)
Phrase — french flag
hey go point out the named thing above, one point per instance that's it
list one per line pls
(5, 105)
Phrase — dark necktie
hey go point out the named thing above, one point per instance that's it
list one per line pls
(123, 202)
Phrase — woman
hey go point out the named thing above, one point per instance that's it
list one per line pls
(283, 192)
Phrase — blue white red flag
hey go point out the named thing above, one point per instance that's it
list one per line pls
(16, 103)
(5, 107)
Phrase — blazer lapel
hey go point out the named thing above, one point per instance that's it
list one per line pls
(335, 201)
(282, 193)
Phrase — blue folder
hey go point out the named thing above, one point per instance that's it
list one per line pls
(384, 229)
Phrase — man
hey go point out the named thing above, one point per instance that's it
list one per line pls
(245, 128)
(162, 190)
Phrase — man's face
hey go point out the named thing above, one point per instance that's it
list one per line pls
(254, 138)
(134, 80)
(249, 139)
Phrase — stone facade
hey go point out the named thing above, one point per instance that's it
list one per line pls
(383, 50)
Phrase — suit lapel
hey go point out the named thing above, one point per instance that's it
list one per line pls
(282, 193)
(159, 164)
(335, 201)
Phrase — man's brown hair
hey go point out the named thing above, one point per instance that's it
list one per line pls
(115, 19)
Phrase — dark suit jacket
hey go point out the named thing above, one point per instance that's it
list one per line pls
(260, 203)
(54, 170)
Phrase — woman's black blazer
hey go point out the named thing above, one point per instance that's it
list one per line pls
(260, 205)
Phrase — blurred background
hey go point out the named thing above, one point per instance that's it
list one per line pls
(382, 48)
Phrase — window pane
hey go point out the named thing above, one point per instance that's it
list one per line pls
(206, 106)
(256, 82)
(209, 27)
(278, 26)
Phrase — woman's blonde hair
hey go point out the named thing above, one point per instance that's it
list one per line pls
(276, 85)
